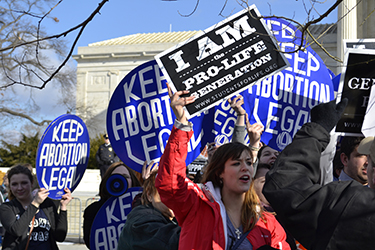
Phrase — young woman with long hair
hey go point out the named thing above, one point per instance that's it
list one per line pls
(224, 212)
(50, 225)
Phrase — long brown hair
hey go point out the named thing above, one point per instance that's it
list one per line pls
(103, 192)
(149, 189)
(251, 209)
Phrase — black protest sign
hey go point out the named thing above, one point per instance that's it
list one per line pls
(356, 85)
(222, 60)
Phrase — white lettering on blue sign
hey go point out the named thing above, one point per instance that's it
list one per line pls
(63, 154)
(57, 179)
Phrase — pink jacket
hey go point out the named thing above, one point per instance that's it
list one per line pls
(199, 211)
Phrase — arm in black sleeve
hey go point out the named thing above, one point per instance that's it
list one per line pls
(61, 226)
(97, 157)
(292, 186)
(11, 223)
(146, 227)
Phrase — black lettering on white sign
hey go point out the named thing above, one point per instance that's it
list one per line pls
(222, 60)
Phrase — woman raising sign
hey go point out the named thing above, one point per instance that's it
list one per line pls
(223, 213)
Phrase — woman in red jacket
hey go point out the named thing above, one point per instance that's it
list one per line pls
(224, 213)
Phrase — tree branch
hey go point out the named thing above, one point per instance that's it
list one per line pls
(14, 113)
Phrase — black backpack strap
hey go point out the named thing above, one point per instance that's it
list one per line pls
(238, 242)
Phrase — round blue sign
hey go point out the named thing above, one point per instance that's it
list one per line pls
(283, 101)
(110, 219)
(140, 120)
(63, 154)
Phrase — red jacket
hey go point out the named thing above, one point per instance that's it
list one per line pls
(198, 211)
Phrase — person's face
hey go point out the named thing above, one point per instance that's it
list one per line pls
(124, 172)
(259, 181)
(20, 186)
(355, 166)
(106, 140)
(237, 174)
(268, 156)
(370, 173)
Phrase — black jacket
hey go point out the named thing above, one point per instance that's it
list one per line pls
(147, 228)
(339, 215)
(88, 218)
(16, 230)
(105, 156)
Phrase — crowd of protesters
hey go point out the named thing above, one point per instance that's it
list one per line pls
(246, 196)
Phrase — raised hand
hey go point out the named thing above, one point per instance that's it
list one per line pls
(328, 114)
(178, 103)
(236, 104)
(255, 132)
(148, 170)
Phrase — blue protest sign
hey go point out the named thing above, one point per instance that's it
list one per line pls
(139, 118)
(283, 101)
(110, 219)
(63, 154)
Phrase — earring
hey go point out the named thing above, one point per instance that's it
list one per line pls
(221, 181)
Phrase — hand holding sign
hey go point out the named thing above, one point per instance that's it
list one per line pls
(178, 103)
(40, 196)
(236, 105)
(65, 199)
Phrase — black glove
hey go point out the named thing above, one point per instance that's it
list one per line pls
(328, 114)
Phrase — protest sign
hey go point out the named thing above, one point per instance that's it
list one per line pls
(366, 43)
(355, 84)
(222, 60)
(110, 219)
(283, 101)
(139, 118)
(368, 127)
(62, 156)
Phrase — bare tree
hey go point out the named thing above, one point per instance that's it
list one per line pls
(30, 58)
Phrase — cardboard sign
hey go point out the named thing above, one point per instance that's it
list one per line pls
(140, 119)
(355, 84)
(110, 219)
(62, 156)
(223, 60)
